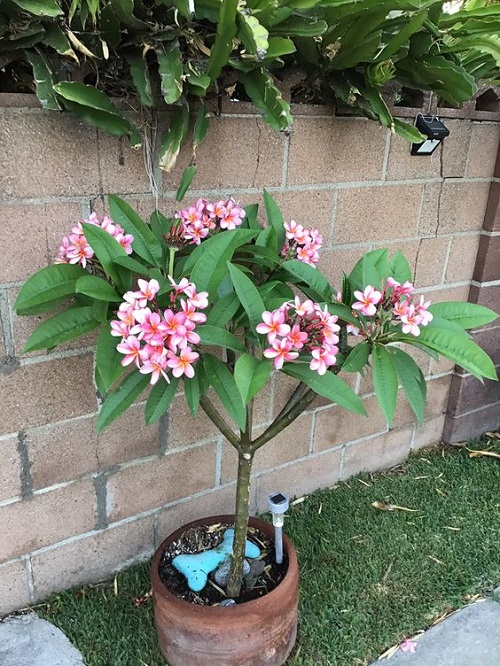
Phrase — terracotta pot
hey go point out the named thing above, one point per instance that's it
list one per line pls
(260, 632)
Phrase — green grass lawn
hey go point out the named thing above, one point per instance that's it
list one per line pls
(369, 577)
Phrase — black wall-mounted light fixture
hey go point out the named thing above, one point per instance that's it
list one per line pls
(433, 129)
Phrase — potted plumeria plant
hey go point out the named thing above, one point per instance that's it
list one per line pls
(168, 293)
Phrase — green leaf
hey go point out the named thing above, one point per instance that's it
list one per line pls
(357, 359)
(47, 288)
(171, 71)
(223, 45)
(97, 288)
(175, 137)
(253, 34)
(139, 71)
(310, 276)
(192, 393)
(223, 310)
(107, 359)
(227, 390)
(211, 257)
(251, 375)
(186, 180)
(274, 219)
(200, 127)
(159, 399)
(95, 107)
(412, 380)
(457, 348)
(106, 248)
(466, 315)
(328, 385)
(385, 381)
(407, 131)
(121, 398)
(145, 244)
(213, 335)
(44, 80)
(56, 39)
(400, 268)
(248, 294)
(63, 327)
(40, 7)
(402, 36)
(300, 26)
(279, 46)
(259, 86)
(251, 212)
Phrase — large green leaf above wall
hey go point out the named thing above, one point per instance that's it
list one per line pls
(84, 54)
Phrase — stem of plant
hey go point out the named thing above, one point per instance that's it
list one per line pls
(245, 460)
(171, 258)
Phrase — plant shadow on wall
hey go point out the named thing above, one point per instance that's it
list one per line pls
(167, 294)
(355, 53)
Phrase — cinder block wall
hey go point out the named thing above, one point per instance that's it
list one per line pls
(74, 506)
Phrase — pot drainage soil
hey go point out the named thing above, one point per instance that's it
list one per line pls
(198, 539)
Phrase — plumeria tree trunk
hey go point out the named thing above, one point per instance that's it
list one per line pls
(245, 460)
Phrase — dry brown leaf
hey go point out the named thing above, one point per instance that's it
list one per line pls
(417, 478)
(115, 586)
(435, 559)
(493, 435)
(440, 492)
(299, 500)
(389, 653)
(392, 507)
(213, 528)
(368, 485)
(453, 529)
(478, 454)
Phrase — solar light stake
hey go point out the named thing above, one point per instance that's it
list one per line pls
(278, 504)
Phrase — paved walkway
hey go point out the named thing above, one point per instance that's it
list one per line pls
(26, 640)
(470, 637)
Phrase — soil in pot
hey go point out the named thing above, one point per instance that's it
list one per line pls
(258, 632)
(204, 537)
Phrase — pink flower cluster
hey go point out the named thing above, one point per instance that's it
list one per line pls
(302, 244)
(297, 328)
(158, 340)
(400, 300)
(202, 218)
(75, 248)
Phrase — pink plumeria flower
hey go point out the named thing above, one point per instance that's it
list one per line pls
(353, 330)
(297, 337)
(367, 300)
(422, 309)
(400, 309)
(411, 321)
(199, 300)
(119, 329)
(303, 309)
(148, 289)
(79, 251)
(273, 325)
(322, 360)
(156, 364)
(408, 646)
(131, 347)
(280, 352)
(175, 327)
(191, 313)
(307, 256)
(183, 287)
(181, 365)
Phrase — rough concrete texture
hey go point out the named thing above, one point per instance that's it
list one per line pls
(26, 640)
(471, 637)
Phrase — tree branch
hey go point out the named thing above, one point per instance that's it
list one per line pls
(220, 423)
(284, 421)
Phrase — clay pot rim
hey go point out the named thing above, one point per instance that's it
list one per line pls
(289, 580)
